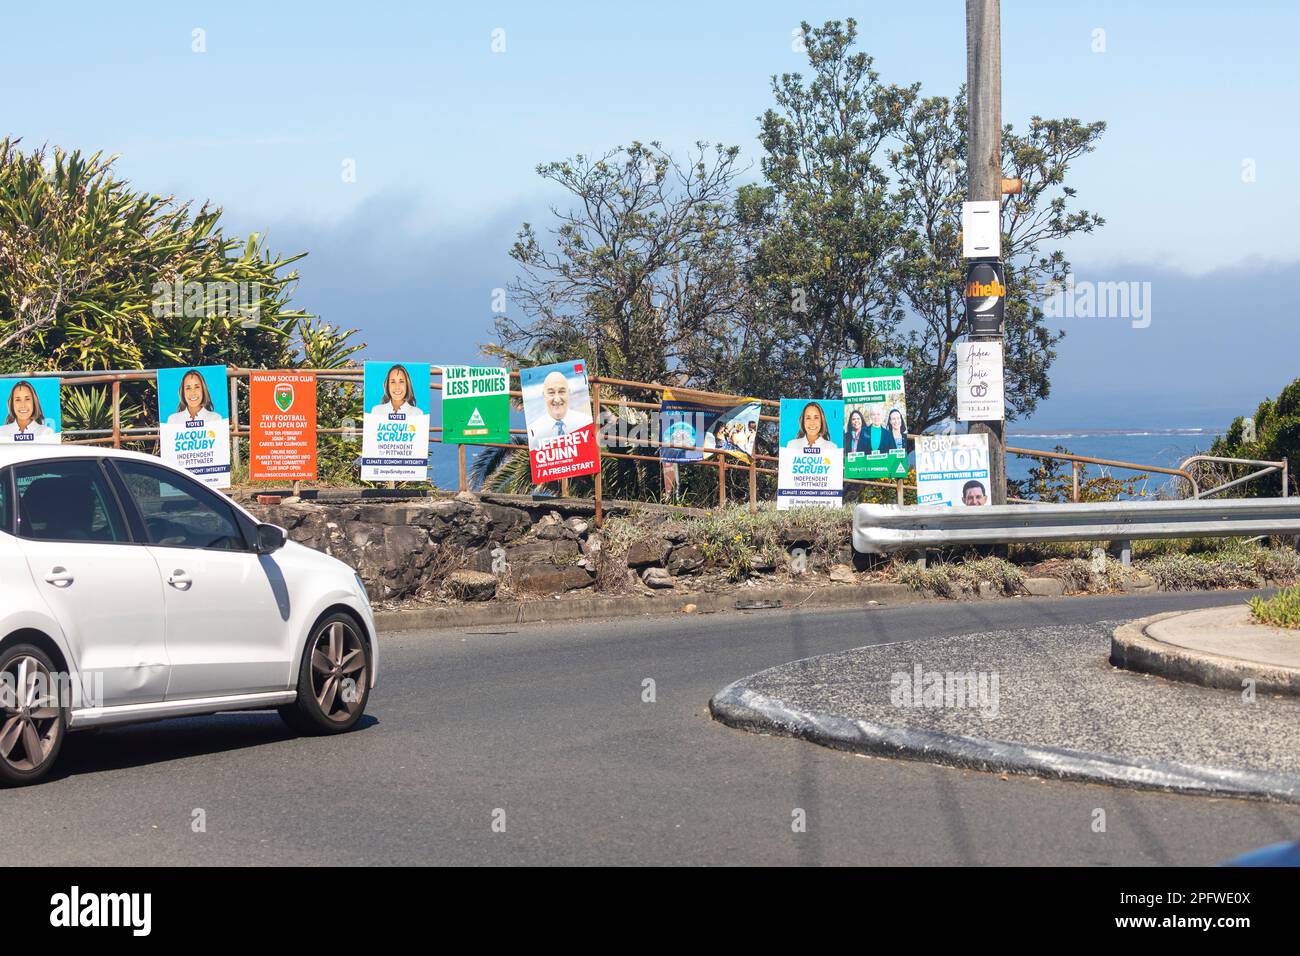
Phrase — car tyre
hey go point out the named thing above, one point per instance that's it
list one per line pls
(333, 679)
(33, 724)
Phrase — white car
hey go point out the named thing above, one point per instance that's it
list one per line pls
(131, 592)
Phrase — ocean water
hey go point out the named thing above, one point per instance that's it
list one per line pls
(1162, 447)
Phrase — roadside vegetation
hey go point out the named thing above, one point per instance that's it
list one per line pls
(1281, 610)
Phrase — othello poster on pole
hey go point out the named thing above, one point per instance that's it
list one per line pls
(194, 422)
(561, 432)
(811, 460)
(395, 434)
(875, 423)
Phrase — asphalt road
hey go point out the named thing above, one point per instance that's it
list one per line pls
(543, 727)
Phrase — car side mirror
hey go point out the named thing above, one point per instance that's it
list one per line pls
(270, 538)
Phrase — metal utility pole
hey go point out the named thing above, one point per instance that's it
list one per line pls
(984, 174)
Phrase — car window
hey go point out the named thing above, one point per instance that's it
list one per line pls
(179, 513)
(67, 501)
(6, 506)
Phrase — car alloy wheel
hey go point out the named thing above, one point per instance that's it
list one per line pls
(31, 722)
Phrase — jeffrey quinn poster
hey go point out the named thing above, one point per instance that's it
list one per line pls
(561, 433)
(952, 470)
(395, 434)
(194, 422)
(811, 460)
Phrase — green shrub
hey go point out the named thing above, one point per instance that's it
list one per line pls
(960, 578)
(1281, 610)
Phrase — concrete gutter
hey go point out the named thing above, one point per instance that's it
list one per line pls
(1216, 647)
(744, 709)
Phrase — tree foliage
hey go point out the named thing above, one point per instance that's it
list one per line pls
(1271, 435)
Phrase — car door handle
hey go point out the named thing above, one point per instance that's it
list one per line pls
(180, 580)
(60, 577)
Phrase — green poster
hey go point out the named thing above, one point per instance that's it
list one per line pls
(875, 423)
(475, 405)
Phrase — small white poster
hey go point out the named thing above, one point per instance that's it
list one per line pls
(980, 395)
(952, 470)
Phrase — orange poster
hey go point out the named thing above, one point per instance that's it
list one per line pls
(282, 420)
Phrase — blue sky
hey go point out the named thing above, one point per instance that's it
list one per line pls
(445, 135)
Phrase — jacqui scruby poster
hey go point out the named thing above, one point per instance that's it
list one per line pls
(395, 434)
(811, 461)
(194, 422)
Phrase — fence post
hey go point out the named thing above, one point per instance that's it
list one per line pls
(234, 422)
(117, 413)
(753, 480)
(460, 464)
(722, 479)
(600, 510)
(899, 482)
(1074, 478)
(564, 487)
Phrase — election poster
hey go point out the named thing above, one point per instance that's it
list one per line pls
(194, 422)
(979, 382)
(561, 433)
(475, 404)
(692, 429)
(952, 470)
(810, 468)
(282, 426)
(875, 423)
(31, 411)
(395, 433)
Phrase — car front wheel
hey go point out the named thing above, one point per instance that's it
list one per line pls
(333, 680)
(32, 722)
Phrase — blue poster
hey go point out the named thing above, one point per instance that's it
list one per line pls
(690, 429)
(395, 432)
(811, 460)
(194, 422)
(29, 411)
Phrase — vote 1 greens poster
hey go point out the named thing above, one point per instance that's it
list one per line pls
(875, 423)
(811, 463)
(475, 404)
(194, 422)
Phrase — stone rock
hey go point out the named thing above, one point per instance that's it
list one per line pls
(648, 551)
(685, 559)
(657, 578)
(467, 496)
(472, 585)
(530, 552)
(551, 531)
(689, 608)
(549, 579)
(1045, 587)
(577, 526)
(842, 574)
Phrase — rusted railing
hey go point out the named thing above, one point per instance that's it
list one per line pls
(602, 400)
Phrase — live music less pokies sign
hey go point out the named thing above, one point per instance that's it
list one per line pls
(561, 432)
(475, 404)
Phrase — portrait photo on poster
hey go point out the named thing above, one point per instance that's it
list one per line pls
(395, 432)
(30, 411)
(194, 421)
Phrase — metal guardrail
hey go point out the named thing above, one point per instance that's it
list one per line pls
(882, 529)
